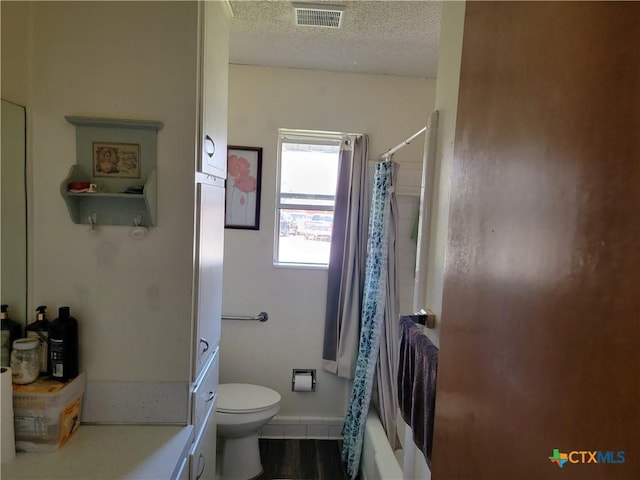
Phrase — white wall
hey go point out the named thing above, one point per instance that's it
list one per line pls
(451, 30)
(132, 297)
(446, 102)
(15, 28)
(261, 100)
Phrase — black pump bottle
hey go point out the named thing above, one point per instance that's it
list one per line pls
(11, 331)
(63, 346)
(40, 330)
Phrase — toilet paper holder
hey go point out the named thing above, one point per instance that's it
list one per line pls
(303, 372)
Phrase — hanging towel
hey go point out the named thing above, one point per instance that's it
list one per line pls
(417, 372)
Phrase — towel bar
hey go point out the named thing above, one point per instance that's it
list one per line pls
(426, 318)
(262, 316)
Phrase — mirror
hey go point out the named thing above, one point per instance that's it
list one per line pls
(13, 205)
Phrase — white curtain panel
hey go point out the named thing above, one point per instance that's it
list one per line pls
(347, 259)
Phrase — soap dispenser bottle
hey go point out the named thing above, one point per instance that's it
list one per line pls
(11, 331)
(40, 330)
(63, 346)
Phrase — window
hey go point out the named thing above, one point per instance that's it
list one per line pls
(307, 178)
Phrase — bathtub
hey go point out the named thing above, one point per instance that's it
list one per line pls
(378, 460)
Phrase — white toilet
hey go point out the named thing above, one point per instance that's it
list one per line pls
(242, 409)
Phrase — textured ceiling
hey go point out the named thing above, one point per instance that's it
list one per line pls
(377, 36)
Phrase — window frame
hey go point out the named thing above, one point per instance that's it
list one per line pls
(311, 137)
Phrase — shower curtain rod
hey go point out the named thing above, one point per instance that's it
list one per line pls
(393, 150)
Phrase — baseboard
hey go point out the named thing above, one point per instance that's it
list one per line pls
(282, 426)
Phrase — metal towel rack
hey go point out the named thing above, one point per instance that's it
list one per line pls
(426, 318)
(262, 316)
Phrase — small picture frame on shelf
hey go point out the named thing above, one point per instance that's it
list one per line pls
(244, 171)
(118, 160)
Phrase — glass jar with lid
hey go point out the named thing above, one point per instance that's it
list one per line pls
(25, 360)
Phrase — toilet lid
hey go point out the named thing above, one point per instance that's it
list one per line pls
(242, 397)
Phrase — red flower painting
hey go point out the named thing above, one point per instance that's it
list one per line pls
(242, 188)
(245, 184)
(238, 167)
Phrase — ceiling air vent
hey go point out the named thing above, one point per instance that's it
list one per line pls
(309, 15)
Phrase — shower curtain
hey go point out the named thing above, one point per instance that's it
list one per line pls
(373, 314)
(386, 386)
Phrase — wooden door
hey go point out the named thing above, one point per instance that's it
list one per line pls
(540, 341)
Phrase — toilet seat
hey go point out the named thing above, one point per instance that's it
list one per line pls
(242, 398)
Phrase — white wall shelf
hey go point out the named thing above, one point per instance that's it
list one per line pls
(111, 208)
(111, 205)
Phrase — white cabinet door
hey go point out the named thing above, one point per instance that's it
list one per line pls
(202, 461)
(204, 392)
(183, 471)
(209, 253)
(214, 72)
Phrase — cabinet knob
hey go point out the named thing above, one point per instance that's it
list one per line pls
(205, 345)
(209, 146)
(200, 468)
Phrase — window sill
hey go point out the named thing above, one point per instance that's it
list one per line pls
(304, 266)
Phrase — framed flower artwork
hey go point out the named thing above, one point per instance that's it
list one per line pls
(244, 171)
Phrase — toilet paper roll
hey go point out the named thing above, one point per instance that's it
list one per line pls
(8, 450)
(303, 382)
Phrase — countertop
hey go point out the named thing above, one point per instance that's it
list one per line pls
(108, 452)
